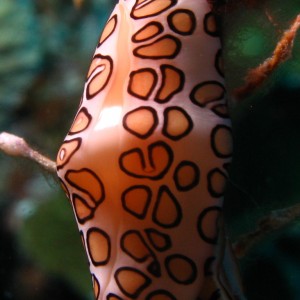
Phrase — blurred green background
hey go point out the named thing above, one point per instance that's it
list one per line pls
(45, 51)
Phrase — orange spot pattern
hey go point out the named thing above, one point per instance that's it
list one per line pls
(149, 31)
(210, 94)
(177, 123)
(108, 29)
(146, 8)
(88, 193)
(136, 200)
(167, 211)
(134, 245)
(181, 269)
(207, 224)
(210, 24)
(160, 241)
(99, 246)
(151, 161)
(131, 281)
(216, 179)
(66, 151)
(81, 122)
(172, 83)
(221, 141)
(166, 46)
(142, 83)
(153, 164)
(160, 295)
(182, 21)
(141, 121)
(96, 287)
(98, 75)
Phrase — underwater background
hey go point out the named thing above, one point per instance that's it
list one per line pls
(45, 51)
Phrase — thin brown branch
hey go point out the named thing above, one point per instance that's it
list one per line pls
(274, 221)
(282, 52)
(13, 145)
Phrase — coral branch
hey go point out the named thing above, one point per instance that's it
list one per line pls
(13, 145)
(274, 221)
(282, 52)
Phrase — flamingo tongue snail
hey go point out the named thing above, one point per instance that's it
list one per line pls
(145, 161)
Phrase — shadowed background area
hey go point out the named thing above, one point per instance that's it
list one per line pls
(266, 163)
(45, 51)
